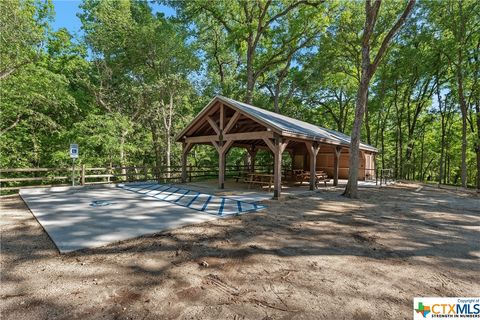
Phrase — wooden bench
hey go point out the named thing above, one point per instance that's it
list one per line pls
(320, 176)
(263, 183)
(259, 179)
(241, 176)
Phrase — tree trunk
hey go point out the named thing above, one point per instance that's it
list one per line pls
(250, 71)
(463, 109)
(360, 104)
(123, 137)
(157, 148)
(477, 149)
(368, 69)
(276, 98)
(460, 38)
(367, 123)
(168, 138)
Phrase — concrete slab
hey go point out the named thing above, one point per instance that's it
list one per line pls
(88, 217)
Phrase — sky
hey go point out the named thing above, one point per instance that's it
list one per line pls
(66, 15)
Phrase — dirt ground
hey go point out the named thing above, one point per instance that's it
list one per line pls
(316, 257)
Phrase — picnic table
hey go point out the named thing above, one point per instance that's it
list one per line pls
(262, 179)
(320, 176)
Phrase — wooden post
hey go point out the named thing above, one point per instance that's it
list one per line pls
(186, 147)
(277, 147)
(336, 164)
(313, 149)
(222, 149)
(82, 180)
(221, 166)
(252, 152)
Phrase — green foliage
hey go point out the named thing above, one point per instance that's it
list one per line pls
(137, 78)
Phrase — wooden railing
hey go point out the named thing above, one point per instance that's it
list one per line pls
(14, 179)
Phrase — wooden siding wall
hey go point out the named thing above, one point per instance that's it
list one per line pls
(325, 160)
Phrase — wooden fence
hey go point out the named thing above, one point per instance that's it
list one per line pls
(14, 179)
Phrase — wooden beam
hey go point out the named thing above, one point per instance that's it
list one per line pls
(226, 145)
(232, 122)
(279, 146)
(222, 116)
(312, 149)
(202, 139)
(222, 148)
(216, 145)
(186, 147)
(213, 124)
(259, 147)
(269, 144)
(221, 164)
(336, 163)
(255, 135)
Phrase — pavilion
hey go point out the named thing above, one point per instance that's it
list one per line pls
(226, 123)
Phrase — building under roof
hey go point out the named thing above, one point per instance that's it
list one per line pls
(226, 123)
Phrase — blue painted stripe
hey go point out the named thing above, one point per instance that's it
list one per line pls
(159, 186)
(156, 195)
(145, 187)
(170, 193)
(160, 191)
(183, 195)
(193, 200)
(206, 203)
(165, 191)
(222, 205)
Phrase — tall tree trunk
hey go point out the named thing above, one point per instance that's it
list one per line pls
(400, 151)
(368, 69)
(382, 139)
(360, 105)
(168, 131)
(250, 71)
(276, 97)
(460, 38)
(442, 146)
(123, 137)
(367, 123)
(477, 149)
(463, 109)
(157, 148)
(396, 156)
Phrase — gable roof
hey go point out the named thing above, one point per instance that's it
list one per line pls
(281, 124)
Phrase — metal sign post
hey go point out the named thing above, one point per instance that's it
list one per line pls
(73, 155)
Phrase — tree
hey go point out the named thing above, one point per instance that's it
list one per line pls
(368, 70)
(23, 29)
(255, 31)
(142, 62)
(456, 23)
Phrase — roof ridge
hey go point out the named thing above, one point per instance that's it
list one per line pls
(327, 131)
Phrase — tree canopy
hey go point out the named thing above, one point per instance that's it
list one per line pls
(133, 78)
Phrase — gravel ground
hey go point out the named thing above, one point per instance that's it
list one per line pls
(317, 257)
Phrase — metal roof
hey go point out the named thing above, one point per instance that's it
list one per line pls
(294, 126)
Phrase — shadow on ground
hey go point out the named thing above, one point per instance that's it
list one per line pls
(299, 259)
